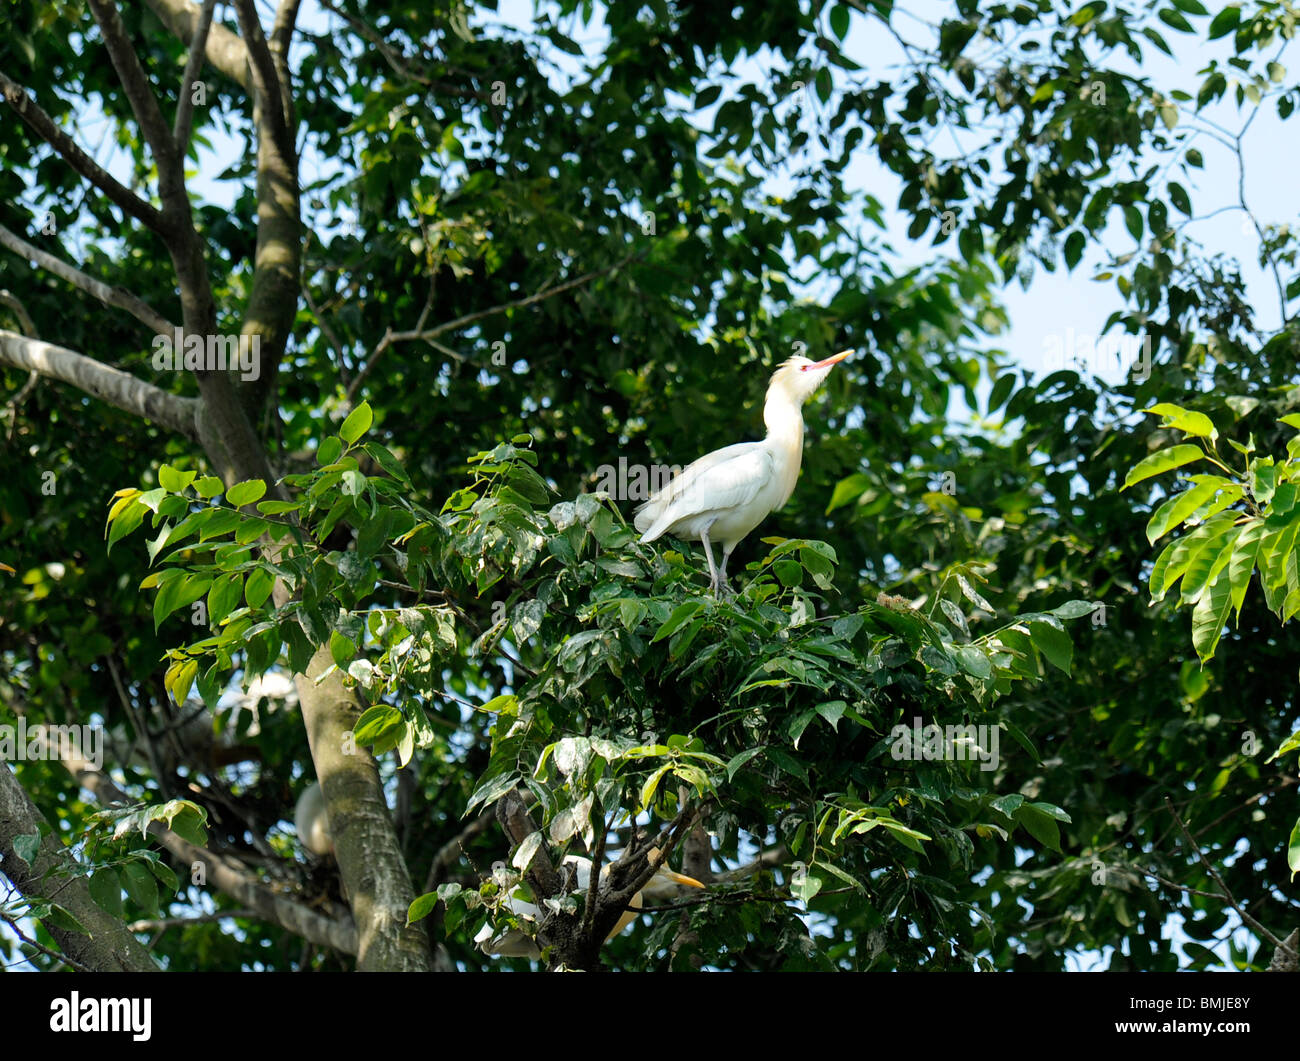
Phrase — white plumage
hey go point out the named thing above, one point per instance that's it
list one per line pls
(727, 493)
(512, 943)
(312, 821)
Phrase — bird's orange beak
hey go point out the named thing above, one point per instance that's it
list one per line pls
(680, 878)
(832, 360)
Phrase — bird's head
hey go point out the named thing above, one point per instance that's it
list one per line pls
(799, 377)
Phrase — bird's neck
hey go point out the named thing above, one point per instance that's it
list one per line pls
(784, 420)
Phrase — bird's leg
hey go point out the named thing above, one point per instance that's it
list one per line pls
(708, 552)
(723, 586)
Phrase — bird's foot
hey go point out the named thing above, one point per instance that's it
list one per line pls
(723, 591)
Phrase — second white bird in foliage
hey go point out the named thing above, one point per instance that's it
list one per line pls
(512, 943)
(727, 493)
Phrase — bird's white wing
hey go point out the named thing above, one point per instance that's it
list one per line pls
(732, 478)
(649, 511)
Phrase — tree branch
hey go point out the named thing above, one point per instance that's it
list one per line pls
(43, 126)
(107, 294)
(266, 82)
(224, 50)
(1259, 929)
(286, 17)
(185, 105)
(119, 389)
(135, 84)
(276, 286)
(228, 874)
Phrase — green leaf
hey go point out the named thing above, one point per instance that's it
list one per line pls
(276, 508)
(1186, 420)
(1224, 22)
(840, 21)
(1163, 461)
(357, 423)
(177, 593)
(652, 784)
(507, 704)
(1181, 506)
(1177, 555)
(258, 589)
(1207, 561)
(804, 886)
(848, 490)
(223, 597)
(1075, 609)
(126, 521)
(342, 648)
(421, 907)
(680, 615)
(376, 722)
(1210, 616)
(707, 96)
(907, 837)
(209, 487)
(1053, 643)
(975, 662)
(329, 451)
(140, 886)
(740, 759)
(106, 890)
(1041, 826)
(27, 846)
(1074, 244)
(1179, 197)
(973, 596)
(1008, 804)
(173, 480)
(245, 493)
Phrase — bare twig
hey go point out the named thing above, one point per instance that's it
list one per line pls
(452, 850)
(160, 923)
(33, 377)
(430, 334)
(13, 924)
(107, 294)
(1259, 929)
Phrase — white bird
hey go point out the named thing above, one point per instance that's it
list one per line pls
(512, 943)
(727, 493)
(312, 821)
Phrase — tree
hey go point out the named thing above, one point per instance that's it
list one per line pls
(440, 220)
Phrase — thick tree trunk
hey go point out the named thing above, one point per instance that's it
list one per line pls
(106, 945)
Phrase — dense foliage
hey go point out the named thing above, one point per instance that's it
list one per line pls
(533, 261)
